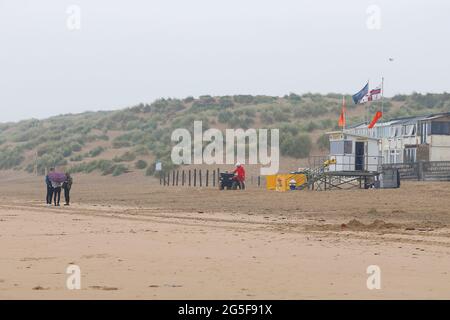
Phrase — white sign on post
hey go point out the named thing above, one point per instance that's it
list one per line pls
(158, 166)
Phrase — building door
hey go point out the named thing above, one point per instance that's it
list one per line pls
(359, 156)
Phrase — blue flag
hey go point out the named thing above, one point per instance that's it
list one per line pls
(360, 95)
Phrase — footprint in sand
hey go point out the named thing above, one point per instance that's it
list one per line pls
(167, 286)
(104, 288)
(40, 288)
(98, 256)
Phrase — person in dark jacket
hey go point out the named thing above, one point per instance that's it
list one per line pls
(67, 185)
(49, 188)
(56, 192)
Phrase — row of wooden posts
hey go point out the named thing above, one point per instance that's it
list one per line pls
(194, 178)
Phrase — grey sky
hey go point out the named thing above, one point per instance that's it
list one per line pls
(133, 51)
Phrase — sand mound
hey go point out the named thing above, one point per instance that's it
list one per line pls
(376, 225)
(354, 225)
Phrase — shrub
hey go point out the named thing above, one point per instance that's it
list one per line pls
(294, 97)
(266, 117)
(323, 142)
(295, 146)
(76, 147)
(226, 102)
(224, 116)
(243, 99)
(311, 126)
(77, 158)
(263, 99)
(117, 144)
(96, 151)
(189, 99)
(10, 158)
(118, 170)
(141, 150)
(127, 156)
(140, 164)
(280, 116)
(399, 97)
(66, 151)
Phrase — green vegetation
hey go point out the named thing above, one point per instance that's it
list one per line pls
(126, 157)
(106, 167)
(95, 152)
(140, 164)
(10, 158)
(323, 142)
(142, 133)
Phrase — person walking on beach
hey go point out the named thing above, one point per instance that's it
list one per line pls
(67, 185)
(56, 192)
(49, 188)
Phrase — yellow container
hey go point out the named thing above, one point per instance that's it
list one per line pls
(271, 182)
(280, 182)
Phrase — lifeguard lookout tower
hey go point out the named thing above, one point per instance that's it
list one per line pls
(352, 152)
(354, 162)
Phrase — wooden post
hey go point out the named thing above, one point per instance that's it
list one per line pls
(214, 178)
(200, 176)
(207, 177)
(168, 178)
(173, 178)
(218, 175)
(177, 177)
(195, 177)
(189, 177)
(182, 178)
(259, 181)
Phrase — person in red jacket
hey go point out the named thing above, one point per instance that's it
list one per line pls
(240, 175)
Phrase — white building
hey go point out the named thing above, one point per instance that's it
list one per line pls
(353, 152)
(423, 138)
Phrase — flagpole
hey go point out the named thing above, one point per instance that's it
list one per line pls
(382, 96)
(344, 111)
(367, 102)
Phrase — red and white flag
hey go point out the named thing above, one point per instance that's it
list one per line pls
(372, 95)
(375, 94)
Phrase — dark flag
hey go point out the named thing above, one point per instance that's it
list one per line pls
(361, 94)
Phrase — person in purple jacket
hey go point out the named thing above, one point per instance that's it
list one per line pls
(49, 188)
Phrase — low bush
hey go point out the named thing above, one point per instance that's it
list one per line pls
(140, 164)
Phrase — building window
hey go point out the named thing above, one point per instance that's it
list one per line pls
(409, 155)
(441, 128)
(341, 147)
(392, 156)
(395, 156)
(423, 133)
(409, 130)
(348, 147)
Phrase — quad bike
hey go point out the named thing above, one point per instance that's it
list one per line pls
(230, 181)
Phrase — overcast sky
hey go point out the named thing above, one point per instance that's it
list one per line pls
(127, 52)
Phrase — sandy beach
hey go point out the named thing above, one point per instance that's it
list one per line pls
(134, 239)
